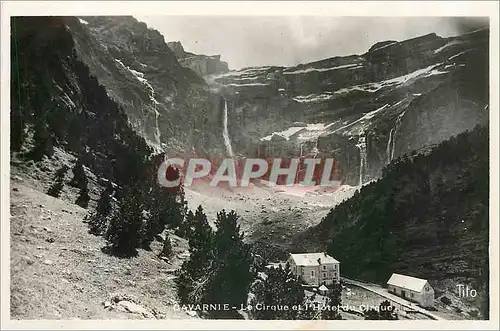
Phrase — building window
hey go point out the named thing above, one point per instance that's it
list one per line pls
(324, 274)
(324, 267)
(312, 273)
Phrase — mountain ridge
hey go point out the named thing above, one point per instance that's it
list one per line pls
(341, 92)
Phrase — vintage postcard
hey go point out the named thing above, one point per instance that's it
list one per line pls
(250, 165)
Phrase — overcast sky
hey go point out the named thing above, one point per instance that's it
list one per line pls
(289, 40)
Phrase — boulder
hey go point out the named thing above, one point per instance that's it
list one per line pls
(134, 308)
(191, 313)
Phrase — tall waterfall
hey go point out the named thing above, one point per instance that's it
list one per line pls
(362, 156)
(225, 132)
(154, 103)
(391, 143)
(157, 130)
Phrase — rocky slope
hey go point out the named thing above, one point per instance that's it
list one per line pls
(58, 270)
(365, 110)
(61, 113)
(203, 65)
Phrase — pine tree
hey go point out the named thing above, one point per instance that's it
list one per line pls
(167, 206)
(17, 120)
(201, 233)
(83, 183)
(281, 288)
(195, 272)
(57, 186)
(166, 209)
(187, 226)
(333, 301)
(100, 218)
(372, 314)
(231, 275)
(167, 248)
(385, 312)
(17, 129)
(83, 197)
(149, 229)
(123, 233)
(43, 144)
(79, 179)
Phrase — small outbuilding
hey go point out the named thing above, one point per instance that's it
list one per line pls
(412, 289)
(323, 289)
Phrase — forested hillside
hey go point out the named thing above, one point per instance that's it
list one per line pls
(427, 217)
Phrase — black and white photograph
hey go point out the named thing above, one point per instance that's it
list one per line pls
(250, 167)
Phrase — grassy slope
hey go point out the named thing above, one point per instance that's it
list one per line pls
(80, 277)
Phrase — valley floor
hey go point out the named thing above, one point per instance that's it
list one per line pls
(270, 217)
(59, 270)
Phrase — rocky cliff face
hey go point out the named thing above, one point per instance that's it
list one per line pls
(171, 106)
(365, 110)
(60, 109)
(203, 65)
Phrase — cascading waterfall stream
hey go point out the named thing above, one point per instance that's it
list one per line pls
(225, 132)
(362, 155)
(391, 143)
(157, 128)
(140, 76)
(315, 150)
(157, 133)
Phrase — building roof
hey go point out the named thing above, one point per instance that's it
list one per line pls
(323, 288)
(312, 259)
(407, 282)
(276, 265)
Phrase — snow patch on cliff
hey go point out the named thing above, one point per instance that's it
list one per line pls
(247, 84)
(313, 97)
(304, 71)
(458, 54)
(396, 81)
(382, 47)
(361, 120)
(451, 43)
(436, 72)
(286, 134)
